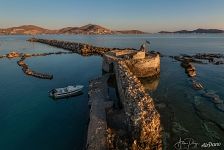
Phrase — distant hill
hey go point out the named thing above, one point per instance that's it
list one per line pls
(87, 29)
(196, 31)
(131, 32)
(26, 29)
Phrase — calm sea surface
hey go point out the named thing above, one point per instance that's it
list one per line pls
(30, 120)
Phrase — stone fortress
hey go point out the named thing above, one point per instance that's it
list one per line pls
(139, 126)
(131, 120)
(136, 123)
(140, 62)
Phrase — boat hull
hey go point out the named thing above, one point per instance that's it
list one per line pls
(65, 95)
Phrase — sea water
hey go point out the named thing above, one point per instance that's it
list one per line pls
(29, 119)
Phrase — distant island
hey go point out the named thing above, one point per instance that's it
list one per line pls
(87, 29)
(196, 31)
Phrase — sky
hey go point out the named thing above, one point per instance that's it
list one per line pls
(146, 15)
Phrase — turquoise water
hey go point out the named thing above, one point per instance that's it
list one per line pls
(29, 119)
(185, 112)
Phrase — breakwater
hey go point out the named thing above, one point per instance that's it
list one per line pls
(142, 117)
(29, 72)
(188, 61)
(25, 68)
(200, 58)
(141, 62)
(80, 48)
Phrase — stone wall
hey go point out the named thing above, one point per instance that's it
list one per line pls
(142, 118)
(107, 64)
(139, 55)
(148, 67)
(81, 48)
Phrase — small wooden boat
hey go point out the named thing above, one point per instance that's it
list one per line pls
(68, 91)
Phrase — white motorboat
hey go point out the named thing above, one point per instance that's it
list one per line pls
(66, 91)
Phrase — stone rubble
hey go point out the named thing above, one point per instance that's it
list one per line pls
(201, 58)
(13, 55)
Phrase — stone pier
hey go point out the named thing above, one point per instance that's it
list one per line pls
(80, 48)
(97, 129)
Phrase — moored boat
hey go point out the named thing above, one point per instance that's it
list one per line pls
(66, 91)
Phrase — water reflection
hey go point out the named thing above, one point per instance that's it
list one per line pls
(150, 84)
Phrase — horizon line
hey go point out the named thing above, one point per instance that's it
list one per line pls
(104, 26)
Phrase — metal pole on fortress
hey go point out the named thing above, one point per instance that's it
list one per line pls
(148, 45)
(144, 47)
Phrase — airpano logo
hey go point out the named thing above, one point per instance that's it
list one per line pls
(211, 144)
(190, 144)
